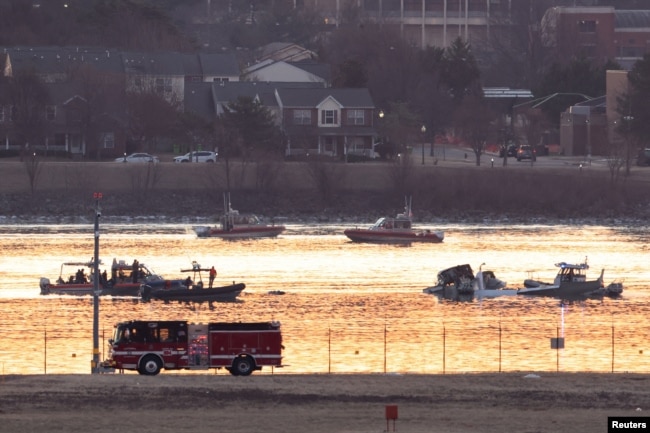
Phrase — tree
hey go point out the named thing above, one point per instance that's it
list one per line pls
(28, 99)
(399, 127)
(254, 125)
(639, 99)
(573, 83)
(150, 116)
(473, 119)
(103, 103)
(460, 71)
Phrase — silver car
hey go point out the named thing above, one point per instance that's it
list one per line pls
(197, 156)
(138, 157)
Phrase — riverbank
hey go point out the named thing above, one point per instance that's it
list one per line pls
(477, 403)
(320, 192)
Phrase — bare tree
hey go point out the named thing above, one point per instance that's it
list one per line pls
(473, 119)
(150, 117)
(402, 174)
(328, 176)
(102, 104)
(28, 98)
(33, 170)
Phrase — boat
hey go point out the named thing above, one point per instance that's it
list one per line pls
(459, 283)
(185, 294)
(77, 278)
(394, 230)
(193, 289)
(233, 226)
(569, 283)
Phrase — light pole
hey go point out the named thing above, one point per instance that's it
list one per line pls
(588, 141)
(424, 130)
(96, 289)
(628, 121)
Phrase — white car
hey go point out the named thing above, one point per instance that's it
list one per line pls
(137, 157)
(198, 156)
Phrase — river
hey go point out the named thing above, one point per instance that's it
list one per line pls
(346, 307)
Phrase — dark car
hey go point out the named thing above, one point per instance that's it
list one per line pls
(643, 158)
(510, 150)
(525, 152)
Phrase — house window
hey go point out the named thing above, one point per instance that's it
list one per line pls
(356, 117)
(137, 81)
(109, 140)
(163, 85)
(221, 79)
(587, 26)
(50, 112)
(302, 117)
(2, 114)
(329, 117)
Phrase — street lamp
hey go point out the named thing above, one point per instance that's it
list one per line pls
(588, 141)
(628, 123)
(96, 289)
(424, 130)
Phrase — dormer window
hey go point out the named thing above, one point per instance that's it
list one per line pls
(329, 117)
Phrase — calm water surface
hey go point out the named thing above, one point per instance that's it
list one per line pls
(347, 307)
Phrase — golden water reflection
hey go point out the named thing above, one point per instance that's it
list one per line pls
(348, 307)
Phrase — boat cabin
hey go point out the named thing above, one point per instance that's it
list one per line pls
(571, 273)
(399, 223)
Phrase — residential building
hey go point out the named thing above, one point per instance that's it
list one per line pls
(282, 71)
(71, 77)
(332, 122)
(597, 33)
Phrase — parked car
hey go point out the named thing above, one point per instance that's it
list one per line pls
(525, 152)
(138, 157)
(510, 150)
(198, 156)
(643, 158)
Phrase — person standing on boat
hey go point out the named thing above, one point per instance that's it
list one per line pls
(134, 270)
(213, 274)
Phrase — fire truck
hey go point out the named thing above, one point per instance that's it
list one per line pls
(240, 348)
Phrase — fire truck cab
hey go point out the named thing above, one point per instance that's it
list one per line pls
(240, 348)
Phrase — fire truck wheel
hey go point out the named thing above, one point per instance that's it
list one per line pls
(150, 365)
(242, 366)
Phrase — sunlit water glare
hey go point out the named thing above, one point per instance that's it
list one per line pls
(347, 307)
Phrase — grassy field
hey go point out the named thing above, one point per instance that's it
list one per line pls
(470, 403)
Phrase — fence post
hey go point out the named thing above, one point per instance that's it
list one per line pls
(612, 347)
(329, 350)
(557, 351)
(385, 332)
(45, 351)
(500, 347)
(444, 350)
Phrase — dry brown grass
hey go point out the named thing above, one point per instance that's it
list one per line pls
(478, 403)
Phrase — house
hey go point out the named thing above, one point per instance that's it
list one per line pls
(284, 52)
(224, 93)
(327, 121)
(314, 119)
(278, 70)
(71, 76)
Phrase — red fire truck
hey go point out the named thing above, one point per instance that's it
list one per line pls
(240, 348)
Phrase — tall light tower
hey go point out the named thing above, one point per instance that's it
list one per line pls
(96, 289)
(423, 130)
